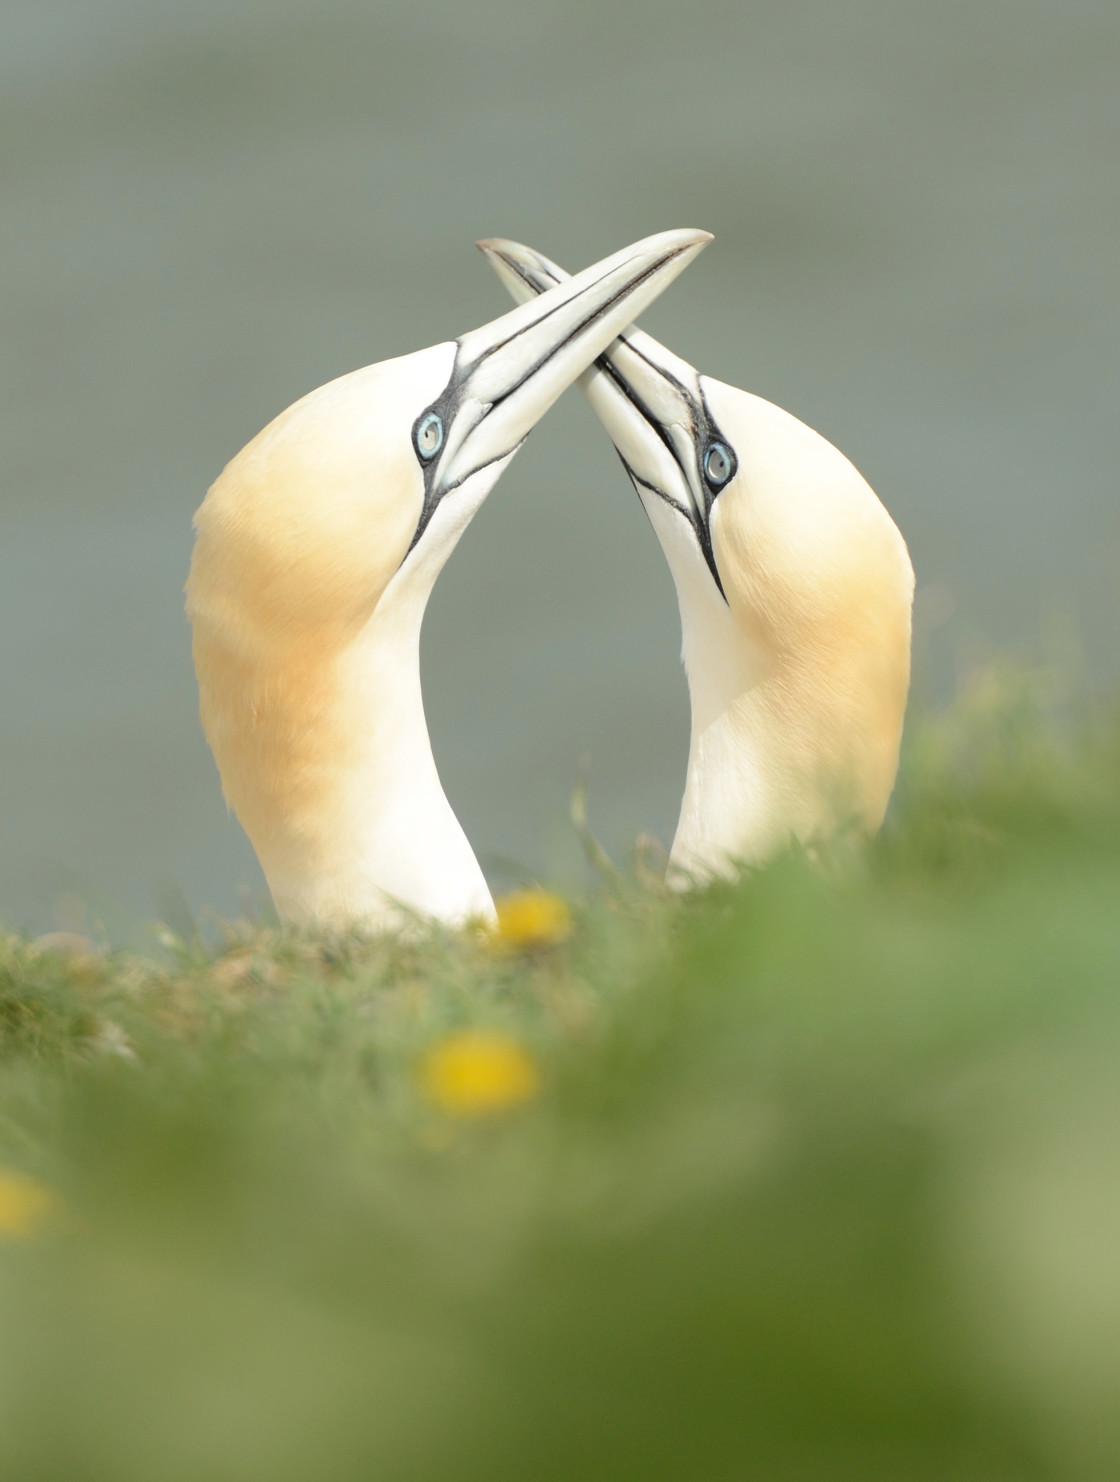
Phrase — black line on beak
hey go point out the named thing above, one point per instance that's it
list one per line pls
(447, 404)
(700, 522)
(700, 528)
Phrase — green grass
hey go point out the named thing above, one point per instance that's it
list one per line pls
(822, 1181)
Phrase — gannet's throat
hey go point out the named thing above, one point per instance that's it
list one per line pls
(373, 830)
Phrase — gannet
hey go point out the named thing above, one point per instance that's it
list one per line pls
(315, 553)
(795, 590)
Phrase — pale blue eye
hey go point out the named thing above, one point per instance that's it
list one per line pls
(717, 464)
(429, 435)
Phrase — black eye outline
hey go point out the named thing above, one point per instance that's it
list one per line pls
(424, 423)
(723, 452)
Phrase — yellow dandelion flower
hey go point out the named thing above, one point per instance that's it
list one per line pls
(25, 1205)
(529, 919)
(477, 1072)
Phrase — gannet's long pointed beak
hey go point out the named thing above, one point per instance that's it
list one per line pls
(650, 401)
(508, 373)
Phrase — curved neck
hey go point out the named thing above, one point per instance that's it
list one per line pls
(782, 747)
(728, 807)
(391, 839)
(326, 759)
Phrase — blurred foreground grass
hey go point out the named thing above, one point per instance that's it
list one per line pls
(816, 1176)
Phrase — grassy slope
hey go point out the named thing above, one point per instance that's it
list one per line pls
(823, 1181)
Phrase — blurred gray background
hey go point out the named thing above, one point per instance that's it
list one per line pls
(208, 209)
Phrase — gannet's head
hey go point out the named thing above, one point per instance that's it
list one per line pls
(795, 588)
(333, 524)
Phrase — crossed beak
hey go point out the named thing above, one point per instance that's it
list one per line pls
(649, 400)
(507, 374)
